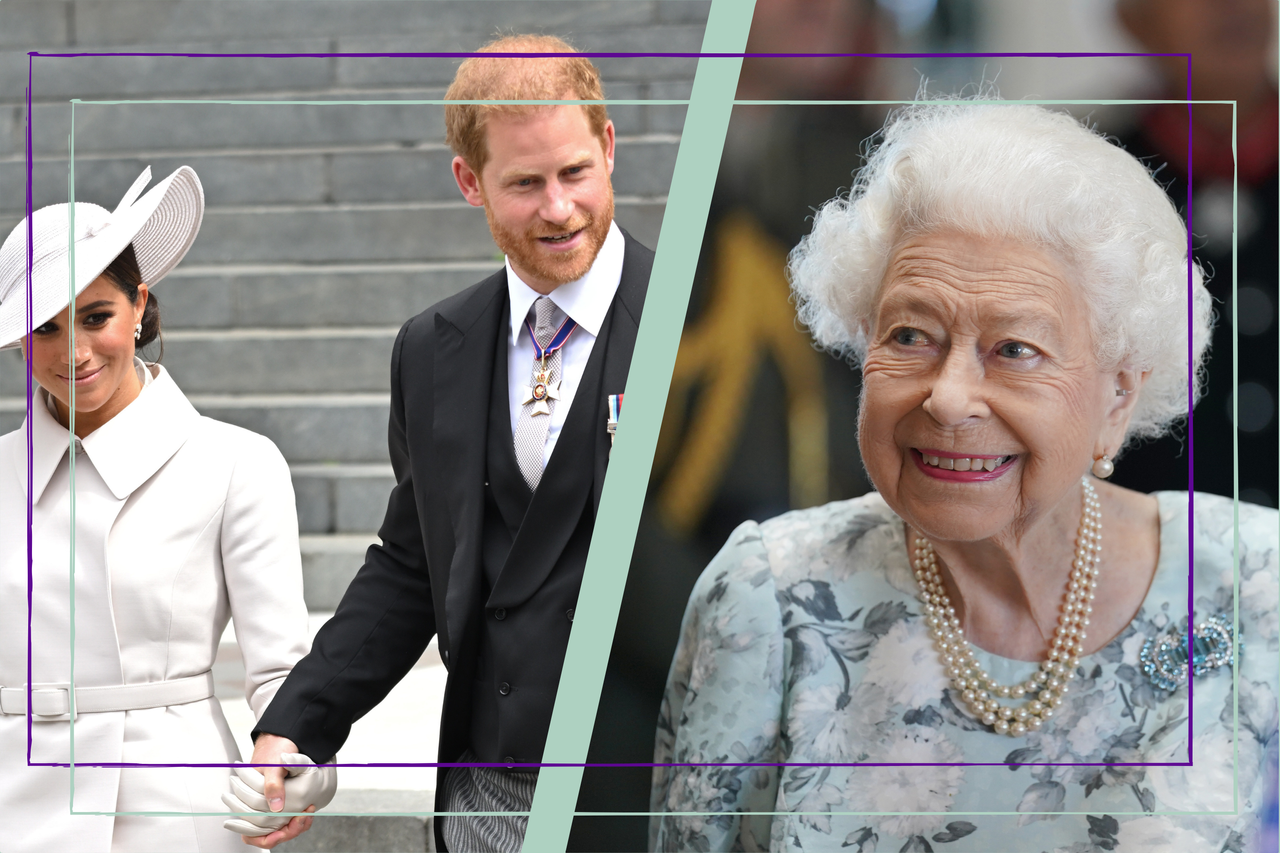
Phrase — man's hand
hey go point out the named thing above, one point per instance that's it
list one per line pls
(268, 750)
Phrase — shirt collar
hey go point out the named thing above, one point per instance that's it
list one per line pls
(586, 299)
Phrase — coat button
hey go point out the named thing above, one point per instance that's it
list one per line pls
(500, 614)
(510, 759)
(569, 613)
(504, 688)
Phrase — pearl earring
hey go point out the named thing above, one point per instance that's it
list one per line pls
(1103, 467)
(137, 332)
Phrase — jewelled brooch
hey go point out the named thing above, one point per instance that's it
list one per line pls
(1164, 658)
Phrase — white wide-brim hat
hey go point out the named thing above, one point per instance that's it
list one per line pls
(161, 225)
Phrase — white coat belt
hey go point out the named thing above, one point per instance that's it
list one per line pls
(53, 701)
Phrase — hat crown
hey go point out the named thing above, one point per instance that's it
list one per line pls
(49, 243)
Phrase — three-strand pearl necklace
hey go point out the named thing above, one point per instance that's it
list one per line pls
(981, 692)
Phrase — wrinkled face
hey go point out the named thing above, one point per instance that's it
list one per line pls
(546, 193)
(982, 401)
(102, 366)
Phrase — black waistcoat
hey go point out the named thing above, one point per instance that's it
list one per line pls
(522, 644)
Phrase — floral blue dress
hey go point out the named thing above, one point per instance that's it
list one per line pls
(803, 644)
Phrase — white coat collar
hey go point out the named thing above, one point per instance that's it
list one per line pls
(127, 450)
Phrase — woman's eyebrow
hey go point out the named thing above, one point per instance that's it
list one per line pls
(908, 302)
(1041, 323)
(92, 305)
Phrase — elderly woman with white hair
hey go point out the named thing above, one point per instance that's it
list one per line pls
(996, 650)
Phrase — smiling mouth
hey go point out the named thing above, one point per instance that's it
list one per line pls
(82, 377)
(561, 238)
(964, 463)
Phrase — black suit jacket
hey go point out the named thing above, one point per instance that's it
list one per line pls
(425, 577)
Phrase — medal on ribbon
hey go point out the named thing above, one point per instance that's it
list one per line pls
(542, 388)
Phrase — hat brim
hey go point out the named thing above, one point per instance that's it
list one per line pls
(162, 226)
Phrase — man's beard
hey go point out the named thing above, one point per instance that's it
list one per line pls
(528, 255)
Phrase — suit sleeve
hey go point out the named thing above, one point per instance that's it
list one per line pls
(383, 623)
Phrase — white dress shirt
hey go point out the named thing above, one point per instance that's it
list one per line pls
(586, 300)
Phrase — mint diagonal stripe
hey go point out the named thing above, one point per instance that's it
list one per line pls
(679, 243)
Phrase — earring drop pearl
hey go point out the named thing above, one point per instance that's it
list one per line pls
(1103, 468)
(137, 332)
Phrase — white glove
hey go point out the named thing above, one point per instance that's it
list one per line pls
(306, 785)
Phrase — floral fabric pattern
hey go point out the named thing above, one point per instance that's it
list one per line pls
(803, 644)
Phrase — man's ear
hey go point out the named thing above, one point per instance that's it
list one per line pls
(607, 143)
(468, 182)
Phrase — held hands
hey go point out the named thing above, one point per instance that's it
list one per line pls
(267, 792)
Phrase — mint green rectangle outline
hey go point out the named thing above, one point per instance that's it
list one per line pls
(1235, 446)
(604, 579)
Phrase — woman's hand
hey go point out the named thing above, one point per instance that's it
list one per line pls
(268, 750)
(291, 830)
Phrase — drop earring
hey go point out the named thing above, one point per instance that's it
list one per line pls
(137, 332)
(1103, 467)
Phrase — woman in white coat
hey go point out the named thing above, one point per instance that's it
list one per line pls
(180, 523)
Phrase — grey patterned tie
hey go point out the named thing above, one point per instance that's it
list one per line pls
(531, 428)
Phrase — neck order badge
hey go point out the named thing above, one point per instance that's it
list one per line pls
(541, 388)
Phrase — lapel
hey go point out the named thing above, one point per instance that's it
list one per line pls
(465, 334)
(637, 264)
(574, 473)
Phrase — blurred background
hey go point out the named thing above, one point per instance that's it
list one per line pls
(327, 226)
(759, 422)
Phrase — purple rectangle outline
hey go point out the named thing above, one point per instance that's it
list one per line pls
(627, 55)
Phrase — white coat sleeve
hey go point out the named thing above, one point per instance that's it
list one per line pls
(262, 567)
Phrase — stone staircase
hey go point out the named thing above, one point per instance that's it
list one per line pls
(327, 225)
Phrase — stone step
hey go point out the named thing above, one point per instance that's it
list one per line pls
(376, 232)
(294, 295)
(121, 77)
(130, 127)
(378, 826)
(382, 824)
(117, 77)
(263, 361)
(327, 428)
(341, 498)
(668, 38)
(371, 172)
(309, 427)
(330, 562)
(121, 21)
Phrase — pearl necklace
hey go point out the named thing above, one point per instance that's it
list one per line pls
(1050, 683)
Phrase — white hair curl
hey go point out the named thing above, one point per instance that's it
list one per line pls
(1020, 172)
